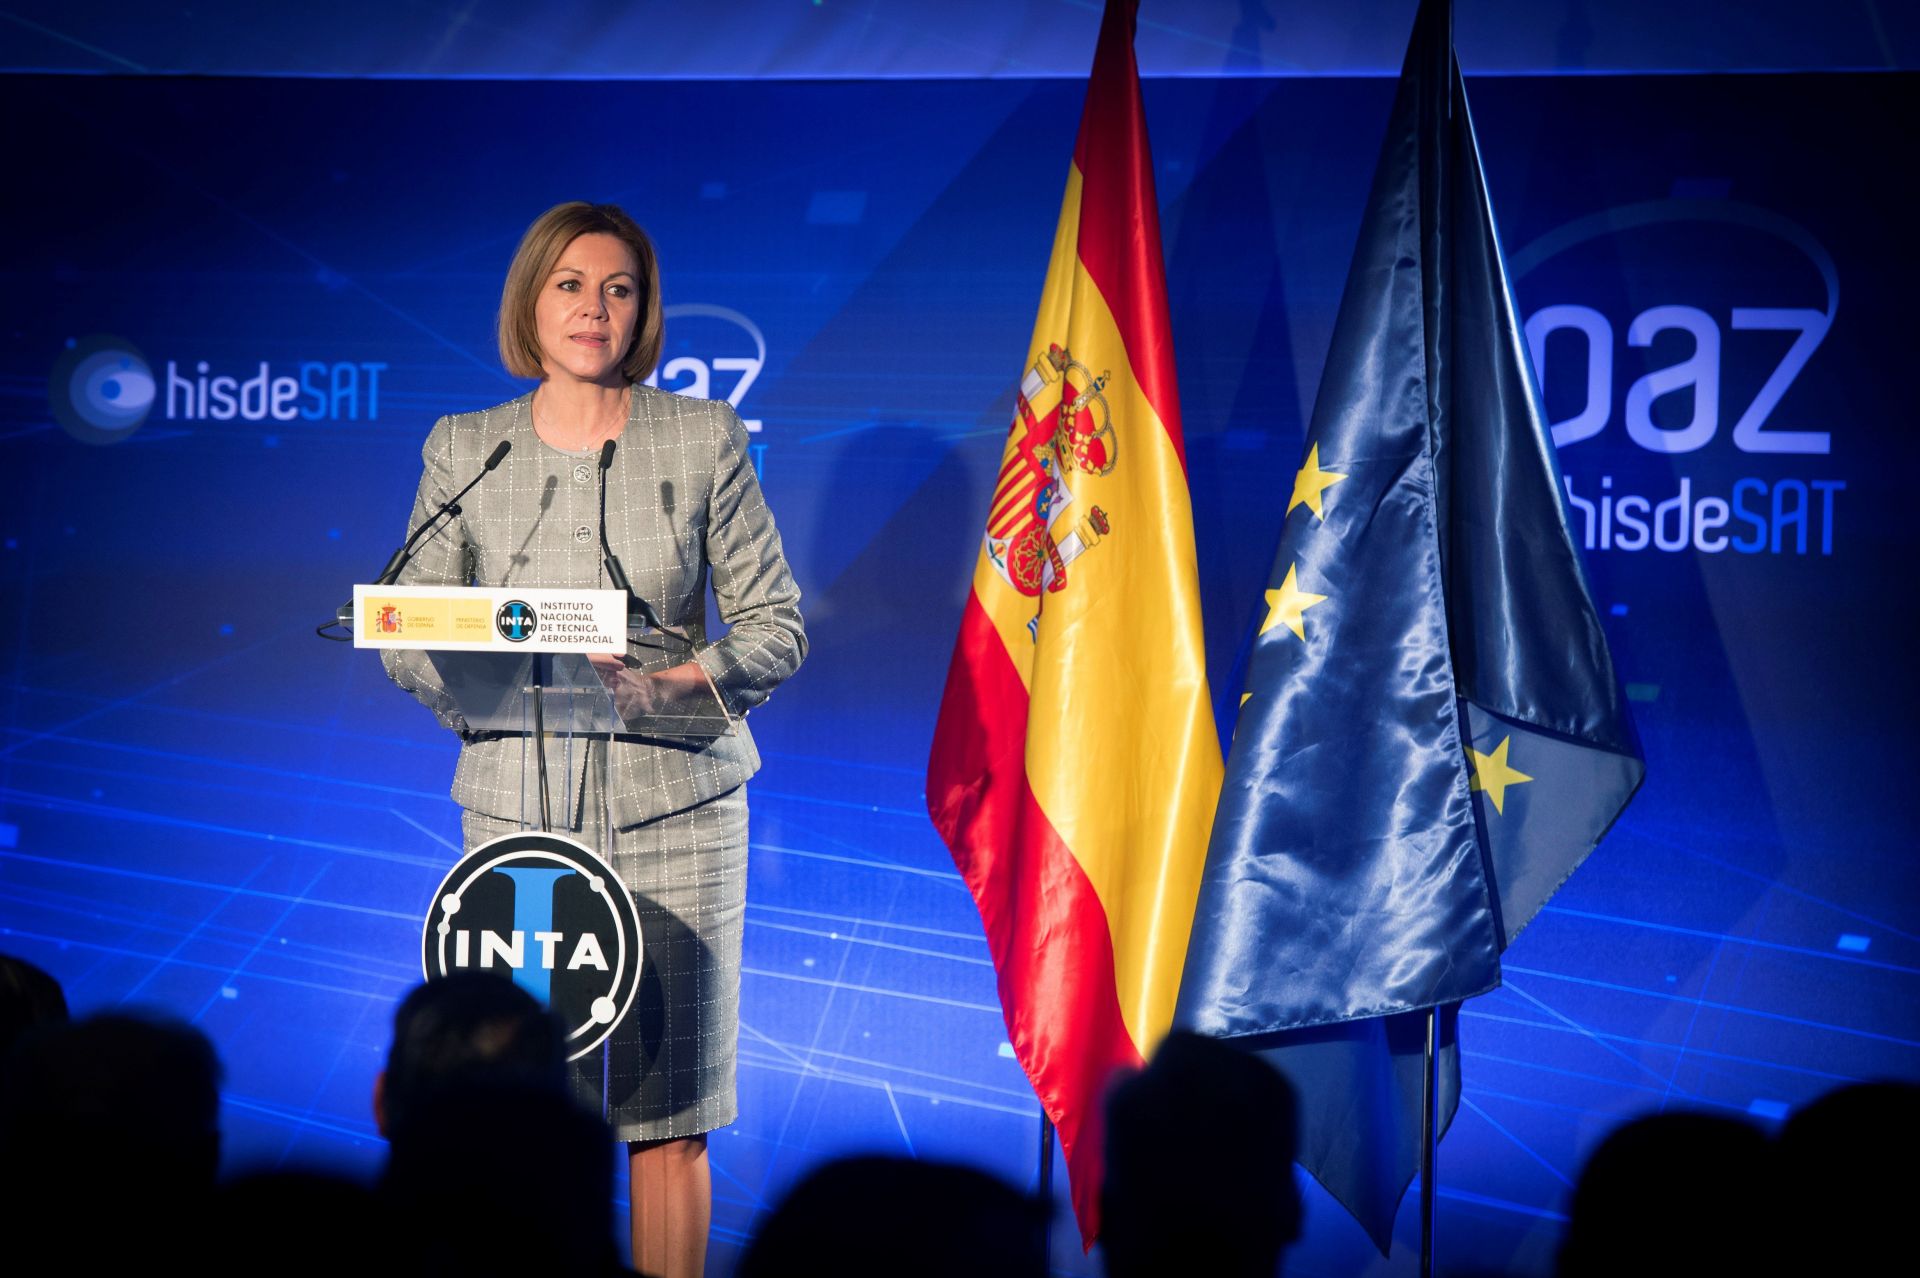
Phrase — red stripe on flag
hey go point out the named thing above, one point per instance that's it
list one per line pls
(1119, 241)
(1010, 508)
(1016, 487)
(1045, 925)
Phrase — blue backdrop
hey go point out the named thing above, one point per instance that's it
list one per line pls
(205, 809)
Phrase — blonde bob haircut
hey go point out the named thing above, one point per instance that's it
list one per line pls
(533, 261)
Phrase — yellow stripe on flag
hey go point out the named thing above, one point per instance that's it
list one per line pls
(1122, 753)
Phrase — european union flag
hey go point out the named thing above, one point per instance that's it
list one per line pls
(1433, 737)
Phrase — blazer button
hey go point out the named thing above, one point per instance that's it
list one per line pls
(583, 534)
(583, 474)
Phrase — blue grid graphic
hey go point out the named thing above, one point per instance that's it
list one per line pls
(204, 810)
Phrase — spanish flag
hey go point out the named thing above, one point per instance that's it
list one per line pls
(1075, 765)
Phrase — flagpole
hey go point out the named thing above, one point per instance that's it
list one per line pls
(1429, 1137)
(1045, 1189)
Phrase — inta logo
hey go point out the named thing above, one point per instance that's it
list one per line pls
(101, 389)
(516, 621)
(545, 911)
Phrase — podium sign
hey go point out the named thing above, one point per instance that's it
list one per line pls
(486, 619)
(545, 911)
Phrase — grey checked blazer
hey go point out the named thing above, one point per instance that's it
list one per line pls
(682, 500)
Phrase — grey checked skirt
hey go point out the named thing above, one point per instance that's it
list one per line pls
(668, 1069)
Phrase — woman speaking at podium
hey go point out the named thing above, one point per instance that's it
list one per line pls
(581, 312)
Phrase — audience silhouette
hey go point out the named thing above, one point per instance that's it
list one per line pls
(467, 1026)
(869, 1216)
(1199, 1165)
(110, 1146)
(495, 1175)
(114, 1118)
(493, 1167)
(293, 1224)
(1848, 1164)
(1680, 1193)
(29, 998)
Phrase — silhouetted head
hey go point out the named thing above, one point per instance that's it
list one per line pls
(1199, 1164)
(469, 1024)
(28, 998)
(1846, 1164)
(489, 1175)
(75, 1090)
(871, 1216)
(1680, 1193)
(109, 1138)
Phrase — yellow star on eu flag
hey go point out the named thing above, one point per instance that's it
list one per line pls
(1310, 481)
(1287, 605)
(1492, 774)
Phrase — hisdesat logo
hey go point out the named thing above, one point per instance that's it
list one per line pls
(339, 391)
(545, 911)
(103, 388)
(1706, 265)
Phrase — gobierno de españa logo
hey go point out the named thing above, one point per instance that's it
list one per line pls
(101, 389)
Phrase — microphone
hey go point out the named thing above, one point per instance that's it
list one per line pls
(448, 509)
(616, 575)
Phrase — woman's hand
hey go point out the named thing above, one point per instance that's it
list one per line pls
(632, 690)
(608, 665)
(638, 696)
